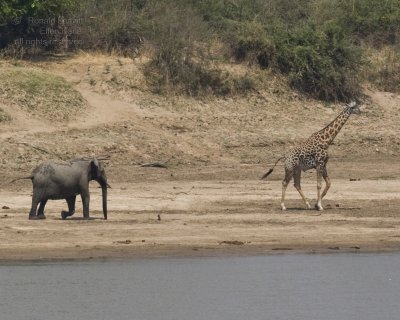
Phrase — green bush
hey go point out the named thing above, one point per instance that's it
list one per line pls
(102, 25)
(14, 20)
(181, 60)
(250, 41)
(112, 26)
(319, 58)
(174, 32)
(196, 79)
(374, 21)
(321, 63)
(36, 8)
(317, 44)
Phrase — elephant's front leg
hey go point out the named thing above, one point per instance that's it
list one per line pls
(85, 201)
(71, 208)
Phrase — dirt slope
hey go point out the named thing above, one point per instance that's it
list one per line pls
(216, 151)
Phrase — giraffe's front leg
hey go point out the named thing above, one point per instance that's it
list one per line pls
(318, 205)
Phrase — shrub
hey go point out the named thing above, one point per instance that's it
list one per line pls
(374, 21)
(198, 79)
(249, 41)
(319, 62)
(283, 35)
(316, 43)
(101, 25)
(180, 40)
(15, 24)
(112, 26)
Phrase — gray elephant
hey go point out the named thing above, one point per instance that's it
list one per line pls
(66, 180)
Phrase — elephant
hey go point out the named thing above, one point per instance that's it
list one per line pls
(66, 180)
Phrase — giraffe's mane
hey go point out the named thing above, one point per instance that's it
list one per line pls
(333, 121)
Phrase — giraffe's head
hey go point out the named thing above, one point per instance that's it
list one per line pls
(353, 108)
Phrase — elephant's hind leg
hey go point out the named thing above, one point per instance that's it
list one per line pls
(71, 208)
(40, 213)
(35, 202)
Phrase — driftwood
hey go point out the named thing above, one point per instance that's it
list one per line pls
(233, 242)
(162, 165)
(154, 165)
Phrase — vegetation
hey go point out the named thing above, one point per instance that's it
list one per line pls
(35, 8)
(4, 116)
(39, 92)
(384, 68)
(323, 47)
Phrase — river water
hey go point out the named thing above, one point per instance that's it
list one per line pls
(287, 287)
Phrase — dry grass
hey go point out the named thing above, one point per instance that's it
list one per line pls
(4, 116)
(39, 92)
(384, 68)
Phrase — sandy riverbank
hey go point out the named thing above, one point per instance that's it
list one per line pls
(197, 218)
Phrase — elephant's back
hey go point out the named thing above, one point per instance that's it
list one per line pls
(55, 180)
(44, 169)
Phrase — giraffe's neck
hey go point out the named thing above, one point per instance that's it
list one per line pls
(328, 134)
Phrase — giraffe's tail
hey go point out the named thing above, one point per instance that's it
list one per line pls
(272, 169)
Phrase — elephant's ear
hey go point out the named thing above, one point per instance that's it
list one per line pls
(94, 168)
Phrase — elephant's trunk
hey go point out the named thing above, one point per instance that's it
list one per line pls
(104, 195)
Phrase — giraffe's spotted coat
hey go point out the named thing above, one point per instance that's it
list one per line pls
(313, 154)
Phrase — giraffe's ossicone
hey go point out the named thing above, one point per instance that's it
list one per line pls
(313, 154)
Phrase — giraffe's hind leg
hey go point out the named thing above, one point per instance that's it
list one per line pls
(285, 182)
(297, 178)
(327, 182)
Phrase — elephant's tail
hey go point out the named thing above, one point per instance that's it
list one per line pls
(272, 169)
(23, 178)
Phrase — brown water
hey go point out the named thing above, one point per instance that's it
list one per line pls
(337, 287)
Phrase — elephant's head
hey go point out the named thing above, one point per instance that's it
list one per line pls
(98, 173)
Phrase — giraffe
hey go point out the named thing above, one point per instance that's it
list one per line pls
(312, 154)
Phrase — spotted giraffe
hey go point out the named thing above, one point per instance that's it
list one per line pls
(313, 154)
